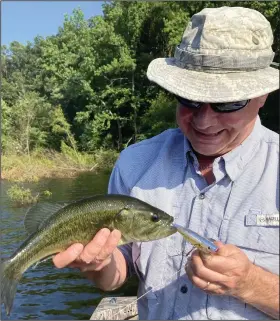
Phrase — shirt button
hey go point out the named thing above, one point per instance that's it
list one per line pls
(184, 289)
(201, 196)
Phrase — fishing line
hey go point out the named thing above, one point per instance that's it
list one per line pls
(153, 288)
(145, 294)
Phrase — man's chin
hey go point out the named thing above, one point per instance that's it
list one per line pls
(207, 151)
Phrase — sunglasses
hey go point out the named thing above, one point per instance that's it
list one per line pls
(217, 107)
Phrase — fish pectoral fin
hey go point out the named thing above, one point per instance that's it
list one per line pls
(38, 213)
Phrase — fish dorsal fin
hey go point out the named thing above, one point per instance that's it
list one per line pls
(38, 213)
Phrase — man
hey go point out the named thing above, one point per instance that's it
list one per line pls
(217, 174)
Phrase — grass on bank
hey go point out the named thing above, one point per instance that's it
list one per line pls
(21, 196)
(48, 163)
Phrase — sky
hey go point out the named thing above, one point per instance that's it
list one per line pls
(24, 20)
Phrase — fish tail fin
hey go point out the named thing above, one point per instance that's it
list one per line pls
(9, 280)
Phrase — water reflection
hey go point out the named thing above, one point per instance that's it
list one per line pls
(45, 292)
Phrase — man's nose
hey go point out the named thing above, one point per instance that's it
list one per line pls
(205, 117)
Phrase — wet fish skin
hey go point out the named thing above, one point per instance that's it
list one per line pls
(78, 222)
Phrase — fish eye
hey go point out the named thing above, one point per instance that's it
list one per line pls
(155, 217)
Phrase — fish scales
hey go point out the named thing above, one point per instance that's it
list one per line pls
(78, 222)
(56, 236)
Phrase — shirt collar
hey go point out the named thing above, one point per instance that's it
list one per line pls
(236, 160)
(188, 151)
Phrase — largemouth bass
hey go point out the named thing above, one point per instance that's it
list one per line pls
(52, 231)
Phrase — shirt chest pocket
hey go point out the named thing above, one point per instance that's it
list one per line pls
(260, 243)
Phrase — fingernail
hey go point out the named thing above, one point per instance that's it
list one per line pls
(105, 231)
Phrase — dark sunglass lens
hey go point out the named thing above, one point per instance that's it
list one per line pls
(188, 103)
(233, 106)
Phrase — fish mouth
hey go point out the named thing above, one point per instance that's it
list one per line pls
(169, 225)
(172, 228)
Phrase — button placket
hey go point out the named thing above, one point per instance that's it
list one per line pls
(181, 306)
(198, 220)
(184, 289)
(201, 196)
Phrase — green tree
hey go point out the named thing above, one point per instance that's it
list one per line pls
(62, 129)
(162, 110)
(29, 122)
(94, 71)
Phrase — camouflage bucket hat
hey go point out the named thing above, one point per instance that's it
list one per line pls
(225, 55)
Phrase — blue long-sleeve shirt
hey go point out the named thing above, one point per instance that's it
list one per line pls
(237, 209)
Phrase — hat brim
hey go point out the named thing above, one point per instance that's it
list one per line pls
(212, 87)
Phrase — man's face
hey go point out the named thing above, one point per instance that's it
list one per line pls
(212, 133)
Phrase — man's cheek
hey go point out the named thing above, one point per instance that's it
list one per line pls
(183, 115)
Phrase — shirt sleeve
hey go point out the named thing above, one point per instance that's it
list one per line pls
(116, 183)
(117, 186)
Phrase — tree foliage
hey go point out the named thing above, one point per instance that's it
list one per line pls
(86, 86)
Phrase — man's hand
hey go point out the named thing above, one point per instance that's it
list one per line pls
(227, 272)
(94, 256)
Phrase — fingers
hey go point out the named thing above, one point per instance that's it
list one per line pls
(200, 283)
(197, 269)
(227, 259)
(219, 244)
(110, 245)
(225, 270)
(95, 265)
(93, 248)
(68, 256)
(101, 255)
(205, 285)
(94, 256)
(202, 277)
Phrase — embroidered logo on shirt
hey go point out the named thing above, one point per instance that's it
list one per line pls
(268, 220)
(263, 219)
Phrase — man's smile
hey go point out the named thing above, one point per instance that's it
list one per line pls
(206, 135)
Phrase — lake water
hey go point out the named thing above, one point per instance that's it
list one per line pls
(44, 292)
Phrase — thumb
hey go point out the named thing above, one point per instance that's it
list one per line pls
(225, 249)
(219, 244)
(208, 255)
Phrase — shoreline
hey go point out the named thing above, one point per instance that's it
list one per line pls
(51, 164)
